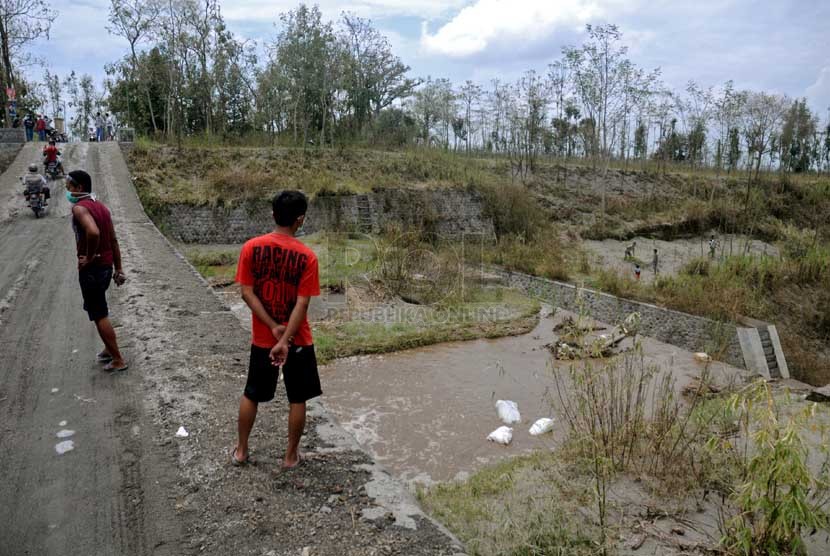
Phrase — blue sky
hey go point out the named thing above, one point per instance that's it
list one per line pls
(776, 46)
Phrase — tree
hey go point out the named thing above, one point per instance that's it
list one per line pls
(21, 23)
(762, 117)
(85, 100)
(640, 141)
(54, 91)
(306, 55)
(797, 133)
(136, 21)
(601, 75)
(373, 77)
(433, 108)
(734, 152)
(469, 95)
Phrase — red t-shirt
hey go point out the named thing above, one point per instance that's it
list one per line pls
(280, 268)
(51, 153)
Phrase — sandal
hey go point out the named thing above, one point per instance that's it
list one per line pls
(240, 462)
(103, 357)
(109, 367)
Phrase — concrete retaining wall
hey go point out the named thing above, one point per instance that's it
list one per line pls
(12, 135)
(450, 213)
(689, 332)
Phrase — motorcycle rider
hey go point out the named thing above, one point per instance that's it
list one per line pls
(35, 184)
(52, 154)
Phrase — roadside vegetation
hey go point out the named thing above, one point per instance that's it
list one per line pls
(747, 460)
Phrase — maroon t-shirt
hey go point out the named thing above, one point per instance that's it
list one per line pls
(101, 214)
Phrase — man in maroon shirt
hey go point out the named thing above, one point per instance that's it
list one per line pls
(98, 252)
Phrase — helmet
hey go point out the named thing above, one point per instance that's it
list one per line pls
(33, 168)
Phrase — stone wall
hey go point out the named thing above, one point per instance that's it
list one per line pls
(449, 213)
(689, 332)
(12, 135)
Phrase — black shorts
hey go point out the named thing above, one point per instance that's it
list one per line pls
(94, 283)
(302, 381)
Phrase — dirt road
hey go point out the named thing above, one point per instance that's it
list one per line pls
(94, 499)
(129, 486)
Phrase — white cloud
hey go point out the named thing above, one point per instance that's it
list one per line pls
(819, 92)
(485, 22)
(268, 10)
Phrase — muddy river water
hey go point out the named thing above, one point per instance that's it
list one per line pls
(425, 413)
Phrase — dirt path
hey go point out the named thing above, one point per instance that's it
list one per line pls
(672, 255)
(129, 486)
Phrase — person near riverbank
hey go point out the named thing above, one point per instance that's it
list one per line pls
(98, 252)
(637, 271)
(279, 276)
(654, 262)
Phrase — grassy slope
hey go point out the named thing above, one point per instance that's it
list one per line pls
(640, 199)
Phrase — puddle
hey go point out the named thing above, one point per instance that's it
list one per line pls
(425, 413)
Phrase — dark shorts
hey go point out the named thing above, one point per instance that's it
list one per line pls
(302, 382)
(94, 283)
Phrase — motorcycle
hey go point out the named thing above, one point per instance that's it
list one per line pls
(36, 200)
(52, 170)
(53, 134)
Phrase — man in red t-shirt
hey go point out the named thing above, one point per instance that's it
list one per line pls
(51, 154)
(279, 275)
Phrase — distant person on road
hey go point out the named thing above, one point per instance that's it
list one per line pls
(713, 246)
(29, 126)
(98, 252)
(654, 262)
(279, 276)
(99, 127)
(40, 127)
(110, 126)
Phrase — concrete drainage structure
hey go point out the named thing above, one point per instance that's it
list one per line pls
(762, 350)
(754, 346)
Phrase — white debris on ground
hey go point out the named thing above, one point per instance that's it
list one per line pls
(62, 447)
(502, 435)
(541, 426)
(508, 411)
(182, 433)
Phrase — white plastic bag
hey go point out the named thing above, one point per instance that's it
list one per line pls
(541, 426)
(508, 411)
(502, 435)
